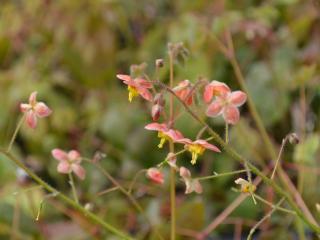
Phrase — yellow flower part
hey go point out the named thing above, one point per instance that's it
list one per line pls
(196, 150)
(246, 187)
(132, 93)
(163, 138)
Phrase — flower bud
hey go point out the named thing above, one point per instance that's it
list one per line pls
(293, 138)
(159, 63)
(156, 112)
(155, 175)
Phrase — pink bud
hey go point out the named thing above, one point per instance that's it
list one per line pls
(155, 175)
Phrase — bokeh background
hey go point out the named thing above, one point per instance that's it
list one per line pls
(70, 52)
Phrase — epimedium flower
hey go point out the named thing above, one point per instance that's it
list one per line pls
(227, 104)
(164, 133)
(246, 186)
(155, 175)
(34, 109)
(136, 87)
(197, 148)
(69, 162)
(184, 91)
(215, 88)
(192, 185)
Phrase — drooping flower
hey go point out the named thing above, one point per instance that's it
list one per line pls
(246, 187)
(136, 87)
(197, 147)
(227, 105)
(164, 133)
(158, 106)
(69, 162)
(184, 91)
(192, 185)
(34, 109)
(215, 88)
(155, 175)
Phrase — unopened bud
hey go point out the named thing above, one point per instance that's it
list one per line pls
(158, 99)
(156, 112)
(293, 138)
(98, 156)
(159, 63)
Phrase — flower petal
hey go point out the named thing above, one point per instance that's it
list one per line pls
(175, 135)
(237, 98)
(155, 175)
(33, 98)
(215, 88)
(24, 107)
(184, 173)
(64, 167)
(215, 108)
(78, 170)
(123, 77)
(42, 110)
(145, 93)
(231, 114)
(140, 82)
(207, 145)
(197, 187)
(59, 154)
(156, 127)
(31, 119)
(74, 155)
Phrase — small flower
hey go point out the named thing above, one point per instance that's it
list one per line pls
(34, 109)
(192, 185)
(197, 147)
(69, 162)
(184, 91)
(136, 87)
(215, 88)
(172, 160)
(164, 133)
(246, 187)
(227, 104)
(155, 175)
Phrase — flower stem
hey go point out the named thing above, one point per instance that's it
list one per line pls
(13, 138)
(284, 141)
(91, 216)
(227, 133)
(221, 175)
(74, 191)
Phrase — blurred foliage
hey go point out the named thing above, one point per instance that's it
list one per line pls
(70, 51)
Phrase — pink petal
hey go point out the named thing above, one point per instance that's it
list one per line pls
(231, 114)
(64, 167)
(42, 110)
(79, 171)
(155, 175)
(156, 127)
(142, 83)
(237, 98)
(175, 135)
(197, 186)
(33, 98)
(24, 107)
(74, 155)
(125, 78)
(185, 141)
(184, 173)
(215, 108)
(207, 145)
(215, 88)
(59, 154)
(145, 93)
(31, 119)
(156, 111)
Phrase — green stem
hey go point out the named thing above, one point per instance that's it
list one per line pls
(274, 206)
(91, 216)
(227, 133)
(74, 191)
(220, 175)
(13, 138)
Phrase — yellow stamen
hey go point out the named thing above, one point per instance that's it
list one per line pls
(248, 188)
(132, 93)
(196, 150)
(163, 139)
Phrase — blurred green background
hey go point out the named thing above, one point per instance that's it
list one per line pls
(70, 51)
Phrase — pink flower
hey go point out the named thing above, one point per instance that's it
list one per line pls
(197, 147)
(34, 109)
(136, 87)
(184, 91)
(227, 105)
(69, 162)
(192, 185)
(215, 88)
(155, 175)
(164, 133)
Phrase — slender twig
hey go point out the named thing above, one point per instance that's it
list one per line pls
(274, 206)
(15, 221)
(73, 187)
(221, 175)
(254, 228)
(107, 191)
(15, 133)
(134, 180)
(284, 141)
(227, 133)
